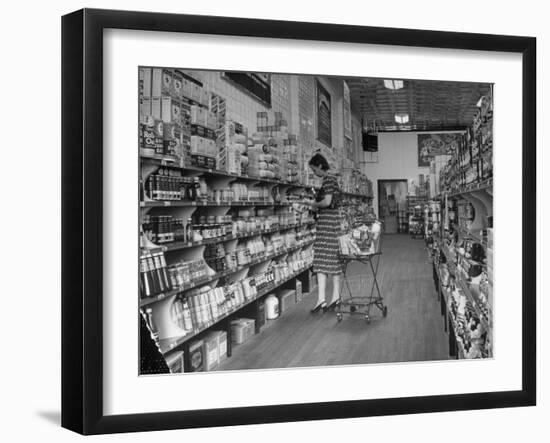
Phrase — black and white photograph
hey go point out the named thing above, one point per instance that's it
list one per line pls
(295, 221)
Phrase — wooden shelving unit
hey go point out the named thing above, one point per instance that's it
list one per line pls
(466, 200)
(176, 246)
(169, 345)
(219, 275)
(194, 250)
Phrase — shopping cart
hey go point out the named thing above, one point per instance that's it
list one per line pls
(362, 244)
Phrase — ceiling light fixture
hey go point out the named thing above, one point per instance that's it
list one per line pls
(393, 84)
(402, 118)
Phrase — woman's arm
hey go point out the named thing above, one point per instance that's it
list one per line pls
(325, 203)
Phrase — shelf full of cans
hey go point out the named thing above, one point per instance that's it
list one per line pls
(466, 284)
(170, 186)
(471, 164)
(167, 233)
(159, 280)
(201, 309)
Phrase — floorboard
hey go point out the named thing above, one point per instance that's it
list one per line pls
(412, 331)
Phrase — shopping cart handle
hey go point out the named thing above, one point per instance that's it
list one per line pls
(360, 222)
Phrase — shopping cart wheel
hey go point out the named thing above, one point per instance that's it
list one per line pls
(367, 319)
(385, 311)
(339, 317)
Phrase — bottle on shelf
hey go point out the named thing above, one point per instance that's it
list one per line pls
(189, 230)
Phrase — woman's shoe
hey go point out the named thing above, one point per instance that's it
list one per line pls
(333, 305)
(318, 308)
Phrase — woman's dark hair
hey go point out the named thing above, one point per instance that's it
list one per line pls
(319, 161)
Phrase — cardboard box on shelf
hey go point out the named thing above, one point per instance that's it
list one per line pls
(172, 139)
(211, 350)
(145, 106)
(175, 362)
(156, 107)
(176, 87)
(145, 81)
(171, 110)
(222, 345)
(219, 110)
(153, 137)
(196, 356)
(161, 82)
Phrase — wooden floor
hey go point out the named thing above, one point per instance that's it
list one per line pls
(412, 331)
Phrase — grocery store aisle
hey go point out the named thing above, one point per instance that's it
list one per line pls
(412, 331)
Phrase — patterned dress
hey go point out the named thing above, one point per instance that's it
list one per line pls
(325, 247)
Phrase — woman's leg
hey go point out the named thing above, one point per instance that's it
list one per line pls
(322, 283)
(335, 288)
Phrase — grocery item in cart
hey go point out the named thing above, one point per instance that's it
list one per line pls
(361, 240)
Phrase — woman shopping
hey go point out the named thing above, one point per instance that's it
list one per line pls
(326, 248)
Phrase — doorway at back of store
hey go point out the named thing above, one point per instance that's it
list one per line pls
(392, 201)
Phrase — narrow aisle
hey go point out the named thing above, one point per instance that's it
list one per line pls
(412, 331)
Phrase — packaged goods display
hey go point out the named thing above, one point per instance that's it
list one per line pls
(196, 356)
(241, 330)
(286, 299)
(272, 307)
(153, 274)
(461, 236)
(175, 362)
(228, 224)
(298, 291)
(226, 233)
(471, 165)
(211, 351)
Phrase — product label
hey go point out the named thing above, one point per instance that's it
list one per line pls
(223, 347)
(196, 359)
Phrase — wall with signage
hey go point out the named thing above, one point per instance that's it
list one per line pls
(297, 98)
(242, 104)
(313, 120)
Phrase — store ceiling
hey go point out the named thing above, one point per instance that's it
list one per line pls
(430, 105)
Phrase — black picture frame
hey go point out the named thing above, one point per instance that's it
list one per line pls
(82, 216)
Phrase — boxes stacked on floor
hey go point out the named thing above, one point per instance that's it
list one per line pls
(241, 330)
(287, 297)
(298, 291)
(175, 362)
(196, 356)
(261, 318)
(207, 353)
(256, 311)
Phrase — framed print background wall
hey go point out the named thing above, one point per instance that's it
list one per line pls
(107, 36)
